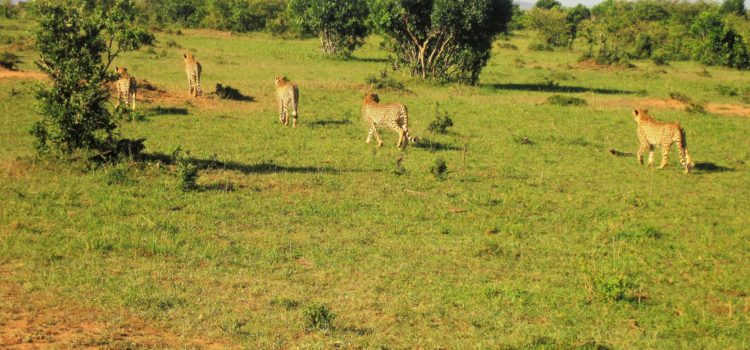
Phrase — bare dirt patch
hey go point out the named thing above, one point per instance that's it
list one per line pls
(17, 74)
(714, 108)
(35, 320)
(211, 33)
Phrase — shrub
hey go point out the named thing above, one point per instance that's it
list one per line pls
(726, 90)
(561, 100)
(617, 288)
(172, 44)
(319, 317)
(507, 45)
(187, 171)
(340, 25)
(437, 39)
(691, 106)
(439, 168)
(718, 44)
(9, 60)
(551, 26)
(383, 81)
(72, 42)
(441, 123)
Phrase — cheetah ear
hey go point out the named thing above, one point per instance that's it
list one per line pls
(636, 112)
(184, 55)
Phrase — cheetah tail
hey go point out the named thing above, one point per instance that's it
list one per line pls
(684, 148)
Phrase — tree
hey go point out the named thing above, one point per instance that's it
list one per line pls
(340, 24)
(443, 39)
(76, 48)
(718, 44)
(551, 27)
(734, 6)
(547, 4)
(575, 16)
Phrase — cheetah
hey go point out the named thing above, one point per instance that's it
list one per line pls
(126, 88)
(392, 115)
(287, 95)
(193, 70)
(655, 133)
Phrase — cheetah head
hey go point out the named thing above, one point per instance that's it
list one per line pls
(638, 113)
(188, 57)
(121, 70)
(280, 80)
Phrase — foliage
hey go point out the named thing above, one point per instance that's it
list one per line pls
(319, 317)
(442, 39)
(441, 123)
(340, 25)
(384, 81)
(691, 106)
(734, 6)
(561, 100)
(618, 288)
(8, 9)
(551, 27)
(547, 4)
(242, 15)
(187, 171)
(9, 60)
(72, 43)
(718, 44)
(575, 16)
(439, 169)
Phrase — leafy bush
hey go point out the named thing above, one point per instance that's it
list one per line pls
(187, 171)
(9, 60)
(243, 15)
(718, 44)
(340, 25)
(319, 317)
(441, 123)
(72, 42)
(551, 26)
(438, 39)
(384, 81)
(691, 106)
(561, 100)
(439, 168)
(618, 288)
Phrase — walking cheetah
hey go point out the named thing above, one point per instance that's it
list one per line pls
(126, 88)
(655, 133)
(393, 116)
(193, 70)
(287, 95)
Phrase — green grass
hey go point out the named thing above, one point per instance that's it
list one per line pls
(553, 243)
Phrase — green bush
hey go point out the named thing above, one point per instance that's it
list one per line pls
(72, 43)
(691, 106)
(9, 60)
(319, 317)
(439, 169)
(340, 25)
(618, 288)
(187, 171)
(384, 81)
(444, 40)
(441, 123)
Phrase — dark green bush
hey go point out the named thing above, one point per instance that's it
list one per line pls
(441, 123)
(9, 60)
(384, 81)
(439, 168)
(562, 100)
(340, 25)
(319, 317)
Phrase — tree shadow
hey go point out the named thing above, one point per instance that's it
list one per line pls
(435, 146)
(542, 87)
(708, 167)
(159, 110)
(369, 59)
(330, 122)
(260, 168)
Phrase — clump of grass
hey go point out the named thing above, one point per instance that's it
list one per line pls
(9, 60)
(171, 44)
(441, 123)
(561, 100)
(507, 45)
(726, 90)
(439, 168)
(660, 59)
(383, 81)
(187, 172)
(704, 73)
(639, 234)
(118, 175)
(618, 288)
(319, 317)
(286, 303)
(691, 106)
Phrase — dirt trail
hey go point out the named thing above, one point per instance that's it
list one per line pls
(42, 321)
(17, 74)
(715, 108)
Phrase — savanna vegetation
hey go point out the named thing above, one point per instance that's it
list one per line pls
(520, 220)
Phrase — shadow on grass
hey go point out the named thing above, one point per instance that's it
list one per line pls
(260, 168)
(617, 153)
(330, 122)
(158, 110)
(434, 146)
(542, 87)
(708, 167)
(369, 59)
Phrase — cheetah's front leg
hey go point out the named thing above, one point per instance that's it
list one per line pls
(643, 148)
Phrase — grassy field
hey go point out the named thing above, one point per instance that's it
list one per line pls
(538, 238)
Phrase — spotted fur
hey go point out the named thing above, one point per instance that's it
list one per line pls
(287, 96)
(126, 88)
(393, 116)
(193, 70)
(655, 133)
